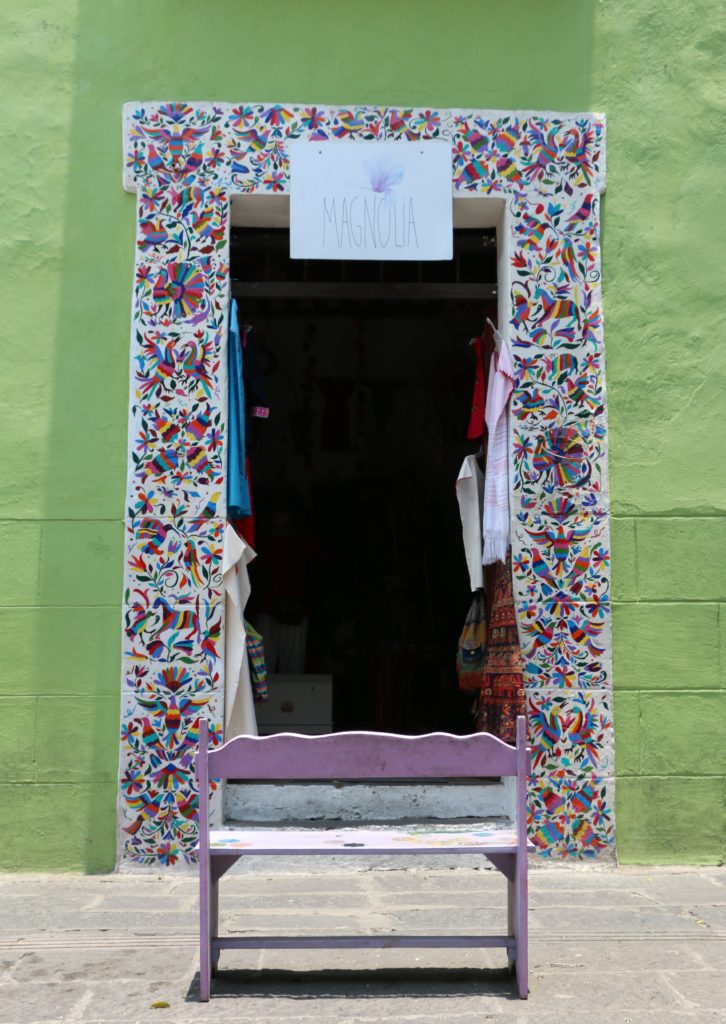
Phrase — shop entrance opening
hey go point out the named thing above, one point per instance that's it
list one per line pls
(360, 587)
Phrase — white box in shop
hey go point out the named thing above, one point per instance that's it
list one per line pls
(271, 729)
(296, 701)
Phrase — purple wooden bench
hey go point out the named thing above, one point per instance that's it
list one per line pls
(363, 756)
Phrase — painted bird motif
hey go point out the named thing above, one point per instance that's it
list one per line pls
(546, 148)
(579, 568)
(574, 150)
(195, 362)
(571, 581)
(584, 634)
(149, 736)
(152, 534)
(559, 540)
(171, 712)
(581, 725)
(147, 805)
(582, 214)
(161, 362)
(176, 142)
(542, 571)
(548, 727)
(190, 560)
(188, 806)
(167, 430)
(540, 633)
(581, 729)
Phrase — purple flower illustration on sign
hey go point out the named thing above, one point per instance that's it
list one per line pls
(383, 176)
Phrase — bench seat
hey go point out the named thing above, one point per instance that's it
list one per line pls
(320, 841)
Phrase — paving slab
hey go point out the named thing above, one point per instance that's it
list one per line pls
(636, 946)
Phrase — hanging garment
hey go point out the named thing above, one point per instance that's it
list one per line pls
(238, 491)
(239, 711)
(471, 652)
(256, 409)
(470, 495)
(246, 527)
(501, 697)
(495, 521)
(256, 404)
(258, 668)
(478, 400)
(285, 644)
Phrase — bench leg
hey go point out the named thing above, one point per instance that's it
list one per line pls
(521, 926)
(205, 934)
(517, 911)
(511, 922)
(214, 923)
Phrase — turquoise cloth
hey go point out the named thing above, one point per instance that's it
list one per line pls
(238, 488)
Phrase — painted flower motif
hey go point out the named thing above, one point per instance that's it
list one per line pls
(519, 563)
(129, 731)
(179, 286)
(145, 502)
(174, 678)
(175, 112)
(145, 440)
(312, 119)
(564, 675)
(184, 481)
(523, 446)
(168, 853)
(600, 558)
(171, 776)
(600, 812)
(215, 439)
(275, 181)
(243, 117)
(132, 781)
(136, 161)
(277, 116)
(597, 605)
(211, 555)
(429, 121)
(151, 199)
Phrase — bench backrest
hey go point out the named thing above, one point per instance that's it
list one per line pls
(360, 755)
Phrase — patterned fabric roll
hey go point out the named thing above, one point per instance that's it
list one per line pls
(258, 669)
(501, 697)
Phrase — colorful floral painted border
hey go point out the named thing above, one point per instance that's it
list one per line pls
(184, 162)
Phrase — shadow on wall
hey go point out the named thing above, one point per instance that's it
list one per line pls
(531, 58)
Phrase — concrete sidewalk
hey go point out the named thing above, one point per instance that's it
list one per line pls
(617, 946)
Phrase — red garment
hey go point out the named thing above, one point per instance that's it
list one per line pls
(478, 400)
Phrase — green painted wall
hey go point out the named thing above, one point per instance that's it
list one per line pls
(655, 68)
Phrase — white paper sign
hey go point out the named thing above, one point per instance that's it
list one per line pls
(371, 200)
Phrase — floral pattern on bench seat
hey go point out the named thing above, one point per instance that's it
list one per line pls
(363, 840)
